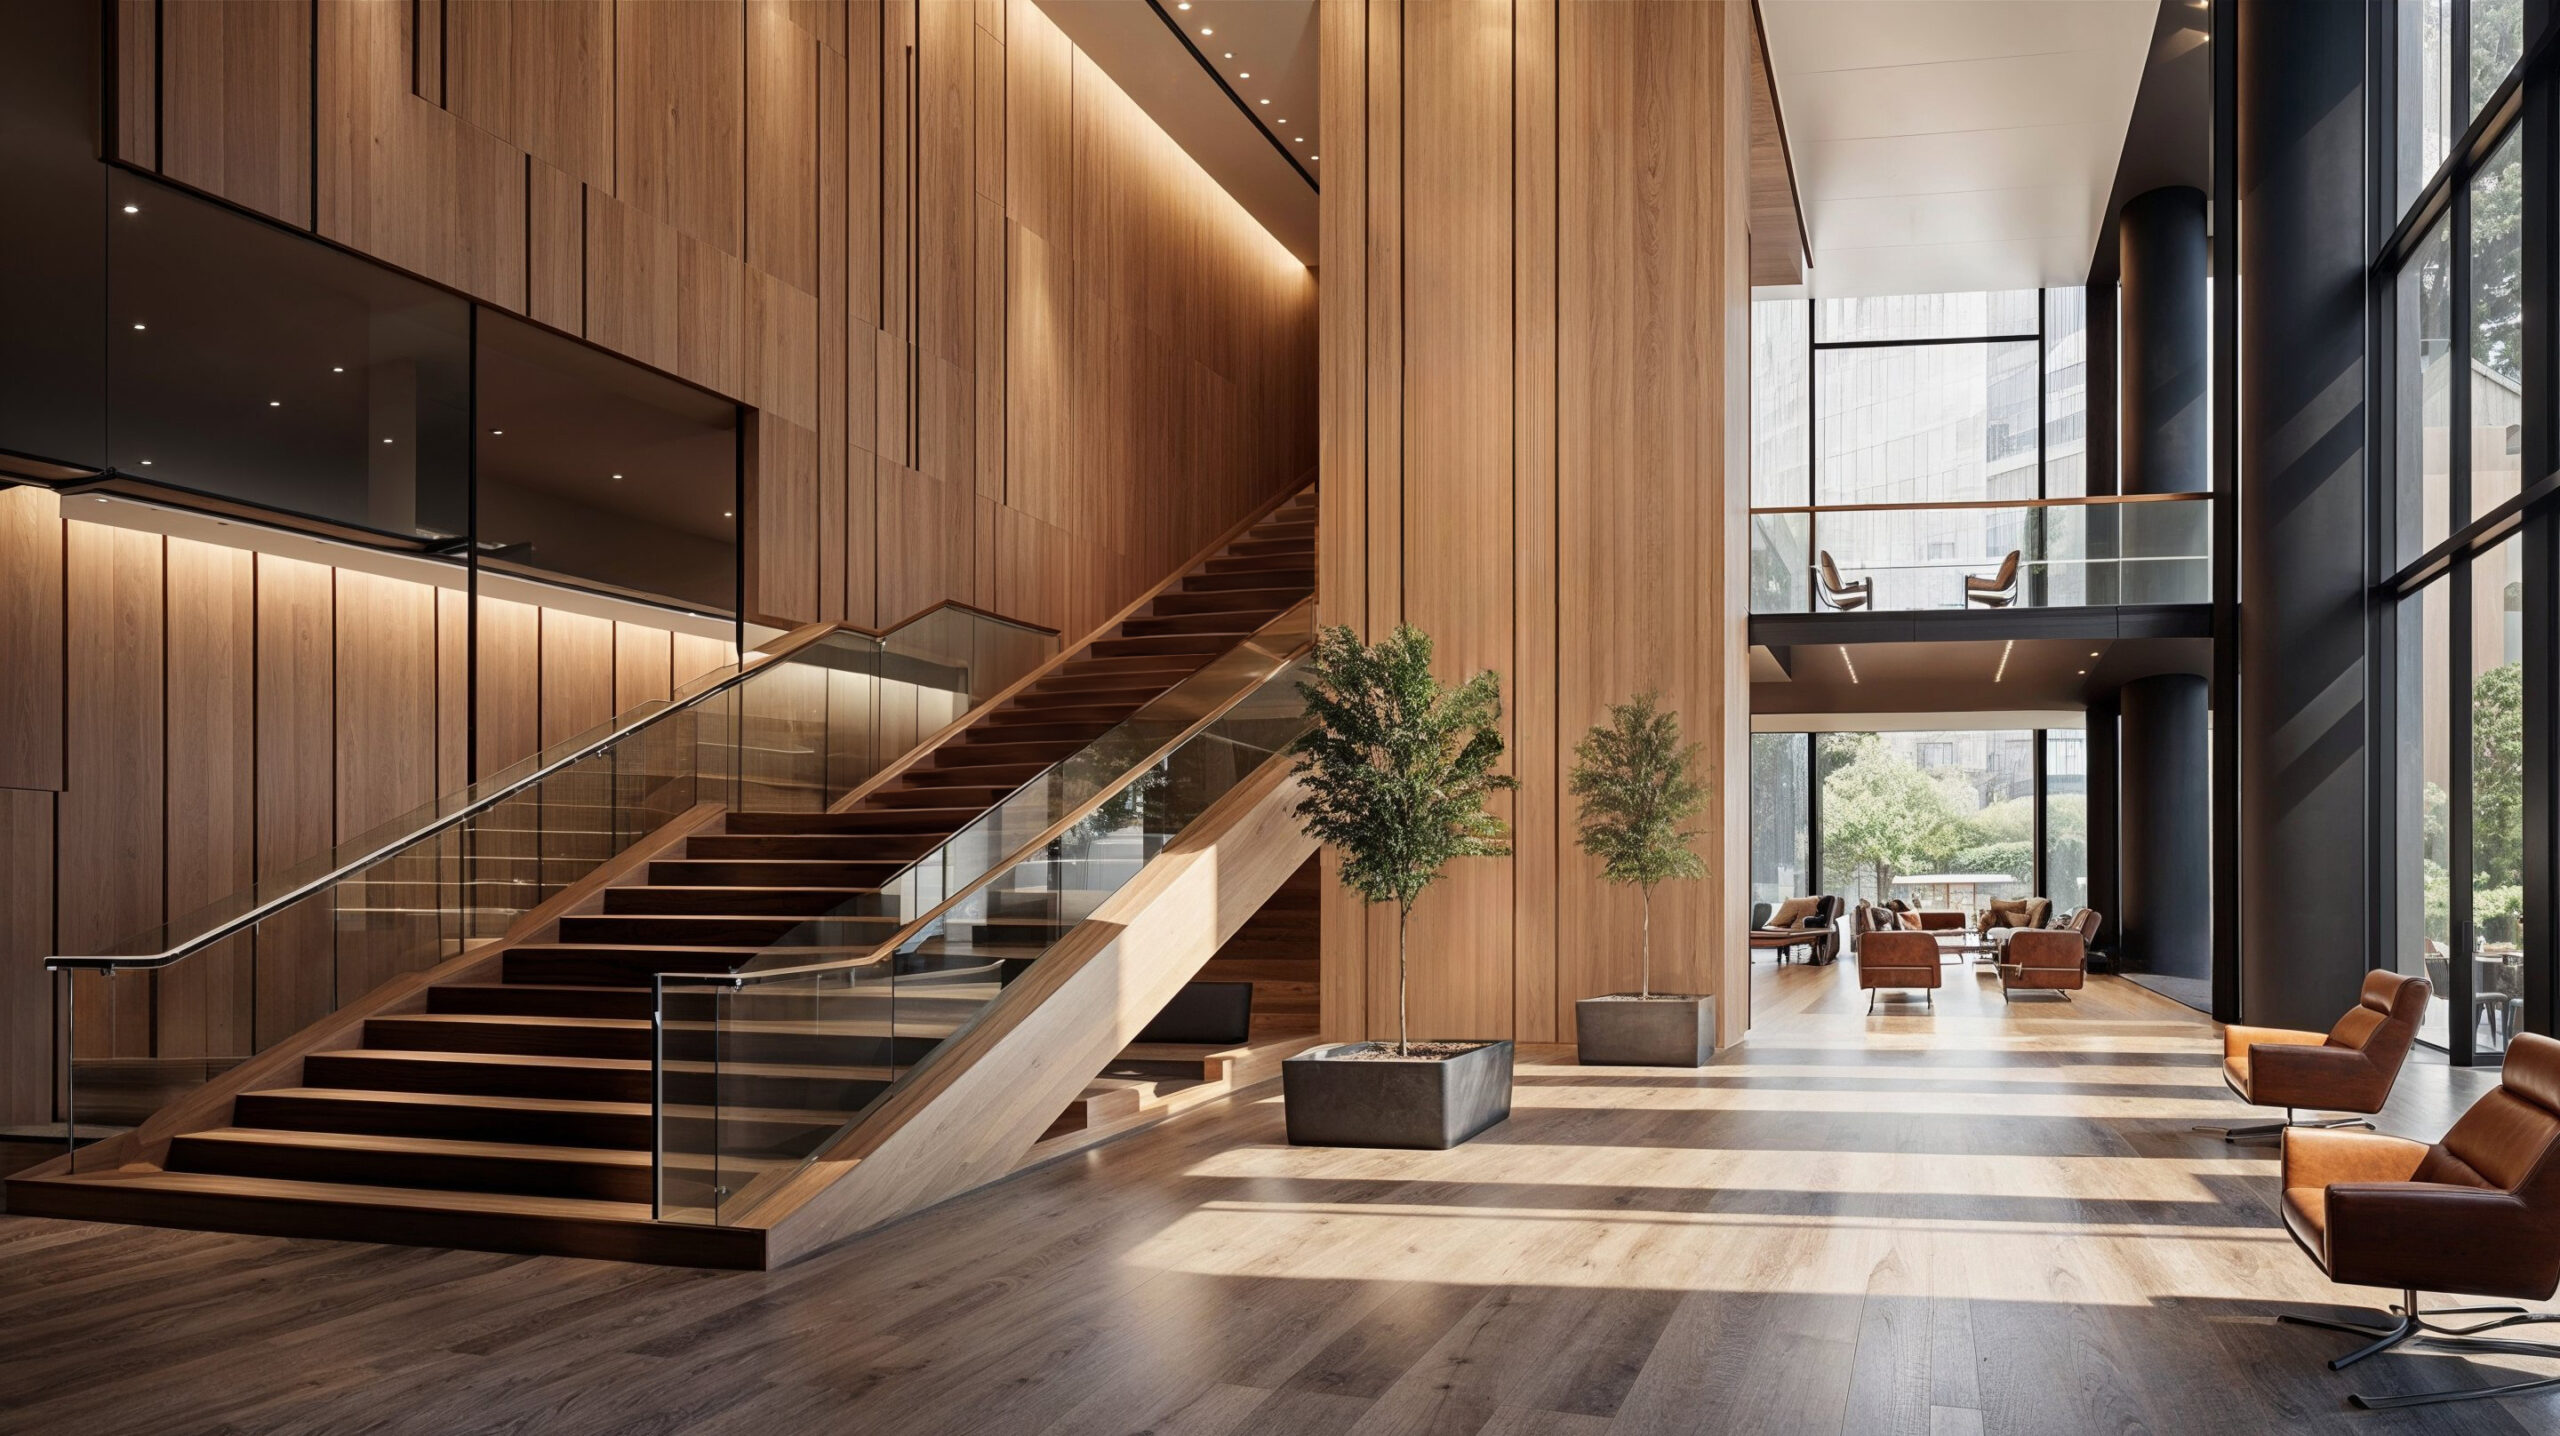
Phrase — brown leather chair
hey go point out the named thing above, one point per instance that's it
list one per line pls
(1900, 960)
(1997, 590)
(1844, 596)
(2477, 1214)
(1934, 919)
(1810, 923)
(2015, 913)
(2044, 960)
(2349, 1068)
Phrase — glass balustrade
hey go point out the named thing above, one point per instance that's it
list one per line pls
(792, 730)
(2067, 554)
(761, 1068)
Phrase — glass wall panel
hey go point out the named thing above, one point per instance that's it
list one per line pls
(2001, 313)
(1925, 425)
(2066, 383)
(2497, 325)
(1939, 819)
(2497, 793)
(2497, 40)
(2066, 818)
(2422, 372)
(246, 362)
(601, 472)
(1779, 351)
(2424, 90)
(1780, 867)
(2425, 832)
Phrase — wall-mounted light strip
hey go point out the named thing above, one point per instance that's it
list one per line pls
(1852, 667)
(2003, 670)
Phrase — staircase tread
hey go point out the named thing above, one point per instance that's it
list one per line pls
(637, 1157)
(431, 1198)
(730, 1067)
(566, 1106)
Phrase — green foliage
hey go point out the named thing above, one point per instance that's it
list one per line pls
(1633, 776)
(1398, 768)
(1881, 811)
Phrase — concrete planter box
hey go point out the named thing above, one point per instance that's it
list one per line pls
(1431, 1103)
(1675, 1029)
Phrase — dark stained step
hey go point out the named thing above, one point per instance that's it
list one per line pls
(548, 1122)
(1206, 645)
(1035, 726)
(1100, 717)
(863, 820)
(525, 1036)
(783, 872)
(1301, 579)
(823, 846)
(1037, 752)
(597, 965)
(1231, 600)
(1127, 671)
(526, 999)
(790, 901)
(482, 1074)
(981, 797)
(1235, 621)
(722, 929)
(1282, 562)
(441, 1164)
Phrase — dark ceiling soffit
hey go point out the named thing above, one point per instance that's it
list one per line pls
(1775, 631)
(1778, 111)
(2169, 139)
(1235, 99)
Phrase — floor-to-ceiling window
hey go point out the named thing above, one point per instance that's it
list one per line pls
(1931, 451)
(2454, 498)
(1781, 817)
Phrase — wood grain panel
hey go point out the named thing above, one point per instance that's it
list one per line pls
(136, 40)
(453, 690)
(31, 595)
(1382, 255)
(1342, 562)
(695, 655)
(782, 146)
(643, 666)
(428, 25)
(1457, 430)
(865, 113)
(782, 324)
(987, 419)
(1538, 809)
(538, 74)
(987, 120)
(235, 98)
(630, 298)
(946, 85)
(510, 680)
(1039, 169)
(1039, 343)
(27, 1001)
(206, 1003)
(780, 527)
(834, 335)
(555, 248)
(297, 784)
(111, 845)
(862, 540)
(386, 699)
(578, 685)
(403, 180)
(680, 66)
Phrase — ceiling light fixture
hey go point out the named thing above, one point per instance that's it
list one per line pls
(1205, 30)
(275, 403)
(137, 326)
(2084, 672)
(726, 514)
(617, 477)
(2003, 670)
(1266, 102)
(146, 463)
(386, 441)
(337, 368)
(1844, 660)
(1230, 54)
(133, 209)
(1244, 74)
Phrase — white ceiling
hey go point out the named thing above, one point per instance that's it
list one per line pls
(1945, 145)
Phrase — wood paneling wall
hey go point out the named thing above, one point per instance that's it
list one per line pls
(230, 715)
(1535, 301)
(1006, 342)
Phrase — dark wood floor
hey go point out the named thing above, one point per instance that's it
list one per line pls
(1973, 1220)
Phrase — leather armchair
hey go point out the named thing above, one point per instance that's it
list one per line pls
(2044, 960)
(1935, 919)
(2477, 1214)
(2349, 1068)
(1899, 960)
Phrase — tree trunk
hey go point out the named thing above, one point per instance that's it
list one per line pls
(1404, 1039)
(1644, 972)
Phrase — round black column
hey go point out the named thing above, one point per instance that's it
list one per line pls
(2163, 873)
(2164, 393)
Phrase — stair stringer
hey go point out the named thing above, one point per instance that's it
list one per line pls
(971, 1112)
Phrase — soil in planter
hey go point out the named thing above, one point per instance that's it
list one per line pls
(1422, 1052)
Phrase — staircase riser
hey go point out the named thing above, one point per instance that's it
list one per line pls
(732, 931)
(885, 849)
(821, 1093)
(519, 1038)
(782, 872)
(789, 902)
(431, 1171)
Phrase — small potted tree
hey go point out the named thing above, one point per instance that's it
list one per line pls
(1633, 776)
(1397, 768)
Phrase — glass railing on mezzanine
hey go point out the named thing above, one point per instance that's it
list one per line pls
(762, 1068)
(790, 728)
(2027, 553)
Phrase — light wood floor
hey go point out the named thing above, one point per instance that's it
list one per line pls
(1971, 1220)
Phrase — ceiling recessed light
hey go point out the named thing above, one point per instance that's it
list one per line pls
(1284, 119)
(1265, 102)
(1314, 157)
(275, 403)
(617, 476)
(2093, 655)
(1230, 54)
(1183, 5)
(337, 368)
(1300, 140)
(137, 326)
(2084, 672)
(146, 463)
(386, 441)
(133, 209)
(497, 431)
(1205, 30)
(1244, 74)
(726, 514)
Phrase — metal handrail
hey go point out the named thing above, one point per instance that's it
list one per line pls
(749, 665)
(2068, 501)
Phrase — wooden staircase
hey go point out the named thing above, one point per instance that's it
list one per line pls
(504, 1101)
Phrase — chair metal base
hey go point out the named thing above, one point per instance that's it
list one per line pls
(2413, 1325)
(2274, 1131)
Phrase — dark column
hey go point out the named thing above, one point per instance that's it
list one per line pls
(2164, 876)
(2102, 391)
(2163, 396)
(53, 212)
(2306, 820)
(2104, 817)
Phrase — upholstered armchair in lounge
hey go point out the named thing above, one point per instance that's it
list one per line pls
(1933, 919)
(1998, 589)
(2477, 1214)
(2044, 960)
(1843, 596)
(2014, 913)
(1899, 960)
(2349, 1068)
(1811, 923)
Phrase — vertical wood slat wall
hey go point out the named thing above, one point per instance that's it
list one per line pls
(1532, 444)
(1005, 342)
(219, 714)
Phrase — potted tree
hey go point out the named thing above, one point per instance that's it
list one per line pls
(1397, 768)
(1633, 775)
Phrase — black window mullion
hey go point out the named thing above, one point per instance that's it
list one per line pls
(2459, 966)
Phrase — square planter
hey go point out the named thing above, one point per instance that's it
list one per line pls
(1665, 1030)
(1432, 1103)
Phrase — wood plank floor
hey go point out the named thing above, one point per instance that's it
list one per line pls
(1975, 1219)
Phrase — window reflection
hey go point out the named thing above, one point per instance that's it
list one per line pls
(2424, 87)
(2497, 326)
(2425, 859)
(2423, 374)
(1780, 868)
(2496, 679)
